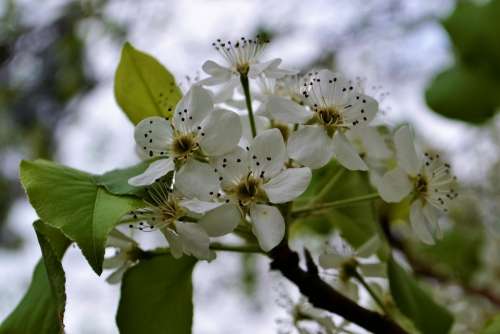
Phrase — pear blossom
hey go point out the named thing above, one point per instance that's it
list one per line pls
(242, 57)
(429, 181)
(195, 129)
(334, 107)
(126, 251)
(171, 213)
(246, 181)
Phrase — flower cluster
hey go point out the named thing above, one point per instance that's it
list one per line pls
(237, 173)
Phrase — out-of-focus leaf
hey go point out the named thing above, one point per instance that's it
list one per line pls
(143, 86)
(492, 327)
(415, 303)
(156, 297)
(38, 310)
(464, 94)
(71, 200)
(116, 181)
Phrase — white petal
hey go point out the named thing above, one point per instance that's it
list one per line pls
(267, 153)
(432, 216)
(218, 74)
(232, 166)
(419, 223)
(116, 276)
(155, 170)
(373, 269)
(261, 123)
(373, 142)
(198, 206)
(369, 247)
(114, 261)
(327, 89)
(330, 260)
(192, 109)
(195, 240)
(360, 110)
(405, 150)
(288, 185)
(221, 220)
(310, 146)
(346, 154)
(287, 111)
(258, 68)
(221, 132)
(119, 240)
(197, 180)
(174, 242)
(153, 136)
(226, 92)
(273, 71)
(268, 225)
(394, 186)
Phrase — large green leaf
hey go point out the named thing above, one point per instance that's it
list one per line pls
(143, 86)
(492, 327)
(465, 94)
(72, 201)
(415, 303)
(116, 181)
(156, 297)
(38, 311)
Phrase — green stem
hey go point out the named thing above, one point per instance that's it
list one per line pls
(372, 293)
(246, 90)
(328, 187)
(334, 204)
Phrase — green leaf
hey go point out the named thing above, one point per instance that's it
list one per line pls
(72, 201)
(415, 303)
(38, 311)
(116, 181)
(156, 297)
(143, 86)
(465, 94)
(492, 326)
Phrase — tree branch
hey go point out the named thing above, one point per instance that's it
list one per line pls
(322, 295)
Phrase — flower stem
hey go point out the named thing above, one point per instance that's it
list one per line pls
(328, 187)
(368, 288)
(246, 90)
(334, 204)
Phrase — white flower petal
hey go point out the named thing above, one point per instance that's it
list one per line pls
(419, 223)
(197, 180)
(218, 74)
(330, 260)
(232, 166)
(288, 185)
(310, 146)
(220, 133)
(360, 110)
(373, 142)
(174, 242)
(258, 68)
(327, 89)
(274, 72)
(432, 216)
(287, 111)
(192, 109)
(116, 276)
(114, 261)
(261, 124)
(267, 153)
(153, 136)
(195, 240)
(373, 269)
(198, 206)
(221, 221)
(405, 150)
(155, 170)
(268, 225)
(369, 247)
(394, 186)
(346, 154)
(119, 240)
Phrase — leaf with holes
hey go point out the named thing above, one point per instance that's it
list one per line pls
(143, 86)
(72, 201)
(157, 297)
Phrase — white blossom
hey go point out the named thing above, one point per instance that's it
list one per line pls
(429, 181)
(125, 255)
(195, 129)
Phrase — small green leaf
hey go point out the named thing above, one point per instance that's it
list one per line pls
(156, 297)
(465, 94)
(72, 201)
(38, 311)
(492, 326)
(415, 303)
(143, 86)
(116, 181)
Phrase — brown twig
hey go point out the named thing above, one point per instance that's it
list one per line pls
(320, 294)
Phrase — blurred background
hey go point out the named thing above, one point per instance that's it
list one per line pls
(435, 63)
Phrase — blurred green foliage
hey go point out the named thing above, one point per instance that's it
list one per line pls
(469, 90)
